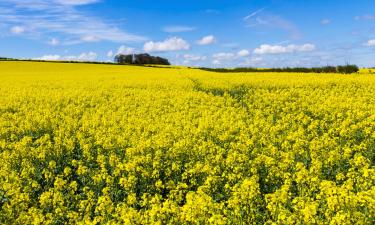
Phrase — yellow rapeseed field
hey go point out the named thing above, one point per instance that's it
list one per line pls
(106, 144)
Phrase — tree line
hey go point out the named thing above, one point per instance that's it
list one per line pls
(346, 69)
(146, 59)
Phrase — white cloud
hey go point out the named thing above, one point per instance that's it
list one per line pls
(171, 44)
(190, 57)
(370, 43)
(229, 56)
(243, 53)
(252, 62)
(90, 38)
(17, 30)
(64, 17)
(207, 40)
(49, 57)
(216, 62)
(110, 54)
(279, 49)
(325, 21)
(124, 50)
(54, 42)
(365, 17)
(178, 29)
(89, 56)
(224, 56)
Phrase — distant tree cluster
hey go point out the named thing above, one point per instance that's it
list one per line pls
(140, 59)
(4, 59)
(347, 69)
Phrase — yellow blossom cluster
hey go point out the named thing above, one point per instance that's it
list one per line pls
(107, 144)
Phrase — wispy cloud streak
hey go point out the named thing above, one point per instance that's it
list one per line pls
(43, 18)
(262, 19)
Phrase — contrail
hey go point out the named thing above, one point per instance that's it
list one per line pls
(254, 14)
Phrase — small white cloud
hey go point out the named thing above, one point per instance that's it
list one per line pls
(252, 62)
(325, 21)
(243, 53)
(216, 62)
(256, 59)
(170, 44)
(54, 42)
(90, 38)
(190, 57)
(178, 29)
(124, 50)
(110, 54)
(89, 56)
(370, 43)
(207, 40)
(279, 49)
(17, 30)
(224, 56)
(365, 17)
(49, 57)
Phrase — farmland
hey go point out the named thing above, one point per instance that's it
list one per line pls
(96, 144)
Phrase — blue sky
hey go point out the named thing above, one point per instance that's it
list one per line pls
(217, 33)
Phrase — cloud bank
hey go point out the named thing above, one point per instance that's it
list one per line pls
(279, 49)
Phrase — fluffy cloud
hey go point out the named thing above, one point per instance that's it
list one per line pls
(207, 40)
(279, 49)
(190, 57)
(90, 38)
(216, 62)
(89, 56)
(252, 62)
(110, 54)
(171, 44)
(230, 58)
(125, 50)
(370, 43)
(227, 56)
(325, 21)
(365, 17)
(177, 29)
(243, 53)
(49, 57)
(17, 30)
